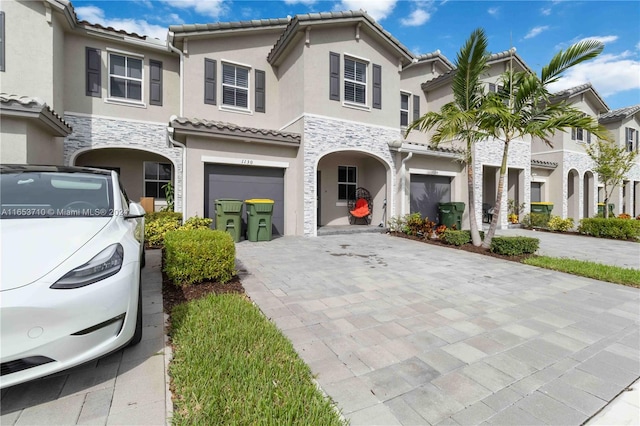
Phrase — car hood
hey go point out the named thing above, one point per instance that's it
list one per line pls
(31, 248)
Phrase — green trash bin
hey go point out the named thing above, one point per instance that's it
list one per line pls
(259, 219)
(543, 208)
(451, 214)
(229, 217)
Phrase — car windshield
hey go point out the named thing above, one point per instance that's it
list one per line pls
(40, 194)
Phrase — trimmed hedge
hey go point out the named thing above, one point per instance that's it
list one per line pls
(514, 246)
(163, 215)
(197, 255)
(158, 224)
(458, 238)
(535, 220)
(559, 224)
(622, 229)
(196, 222)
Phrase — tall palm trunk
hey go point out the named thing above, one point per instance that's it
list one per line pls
(473, 220)
(498, 207)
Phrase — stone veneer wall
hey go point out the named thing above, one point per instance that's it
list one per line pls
(324, 135)
(101, 132)
(489, 153)
(581, 163)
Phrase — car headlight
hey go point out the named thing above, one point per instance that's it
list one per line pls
(105, 264)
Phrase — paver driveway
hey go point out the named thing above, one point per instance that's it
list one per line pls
(401, 332)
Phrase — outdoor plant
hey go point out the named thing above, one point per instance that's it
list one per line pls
(414, 224)
(535, 220)
(440, 231)
(556, 223)
(198, 255)
(157, 225)
(456, 238)
(610, 228)
(514, 246)
(515, 210)
(397, 224)
(168, 196)
(196, 222)
(624, 216)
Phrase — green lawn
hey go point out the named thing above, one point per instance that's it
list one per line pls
(233, 366)
(598, 271)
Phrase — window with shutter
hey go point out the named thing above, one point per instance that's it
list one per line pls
(260, 91)
(2, 43)
(155, 82)
(355, 81)
(235, 86)
(125, 77)
(210, 71)
(334, 76)
(416, 107)
(93, 72)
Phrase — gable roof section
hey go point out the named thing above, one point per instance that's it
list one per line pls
(195, 30)
(619, 114)
(431, 57)
(586, 88)
(300, 22)
(34, 108)
(232, 131)
(493, 59)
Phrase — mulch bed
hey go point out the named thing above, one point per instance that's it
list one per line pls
(467, 247)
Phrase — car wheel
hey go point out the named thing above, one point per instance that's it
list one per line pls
(137, 335)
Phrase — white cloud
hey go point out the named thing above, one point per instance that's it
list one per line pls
(378, 9)
(493, 11)
(417, 18)
(609, 74)
(546, 11)
(536, 31)
(211, 8)
(95, 15)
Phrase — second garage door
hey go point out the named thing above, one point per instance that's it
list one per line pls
(426, 192)
(242, 183)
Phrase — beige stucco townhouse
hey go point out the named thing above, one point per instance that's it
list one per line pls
(301, 110)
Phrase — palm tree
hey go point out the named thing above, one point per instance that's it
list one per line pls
(525, 108)
(458, 120)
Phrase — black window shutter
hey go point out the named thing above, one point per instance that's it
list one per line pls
(377, 86)
(155, 82)
(260, 91)
(94, 68)
(416, 107)
(2, 43)
(334, 76)
(210, 81)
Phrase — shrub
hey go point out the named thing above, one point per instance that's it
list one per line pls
(559, 224)
(158, 224)
(196, 255)
(196, 222)
(514, 246)
(469, 233)
(624, 216)
(457, 238)
(610, 228)
(397, 224)
(440, 231)
(535, 220)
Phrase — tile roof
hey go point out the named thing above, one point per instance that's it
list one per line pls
(230, 129)
(545, 164)
(434, 55)
(619, 114)
(429, 147)
(221, 26)
(26, 103)
(332, 16)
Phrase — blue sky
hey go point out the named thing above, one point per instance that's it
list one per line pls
(538, 29)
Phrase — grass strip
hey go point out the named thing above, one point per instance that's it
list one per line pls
(598, 271)
(233, 366)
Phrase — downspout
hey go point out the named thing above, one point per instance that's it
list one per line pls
(175, 143)
(170, 129)
(181, 54)
(403, 171)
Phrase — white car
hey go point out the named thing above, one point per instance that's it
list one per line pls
(72, 249)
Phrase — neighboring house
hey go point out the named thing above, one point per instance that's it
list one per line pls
(301, 110)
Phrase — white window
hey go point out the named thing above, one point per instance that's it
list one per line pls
(125, 77)
(355, 81)
(235, 86)
(347, 182)
(578, 135)
(631, 139)
(156, 176)
(404, 109)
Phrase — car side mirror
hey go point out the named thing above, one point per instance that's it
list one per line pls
(135, 211)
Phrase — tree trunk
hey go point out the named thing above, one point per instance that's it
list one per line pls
(498, 205)
(473, 221)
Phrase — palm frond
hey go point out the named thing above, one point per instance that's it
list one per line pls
(471, 62)
(575, 54)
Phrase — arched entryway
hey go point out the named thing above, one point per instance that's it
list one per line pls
(573, 194)
(589, 195)
(142, 173)
(338, 174)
